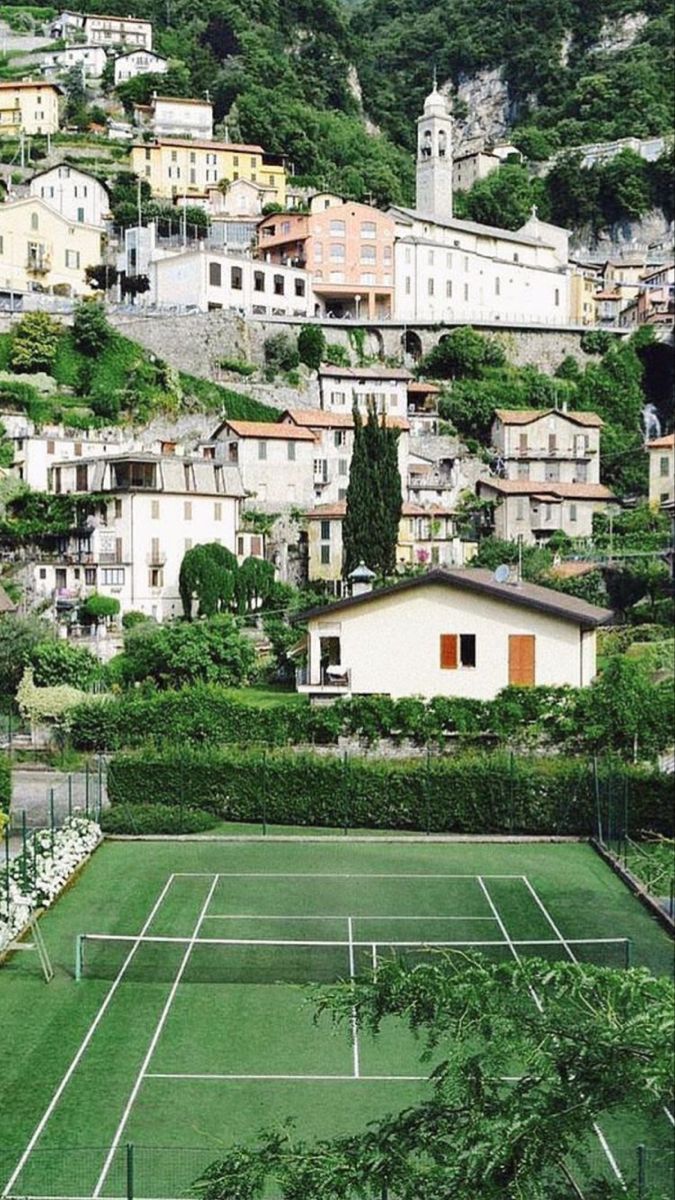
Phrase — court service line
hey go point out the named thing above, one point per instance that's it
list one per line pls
(330, 875)
(353, 1021)
(39, 1129)
(151, 1048)
(330, 917)
(291, 1078)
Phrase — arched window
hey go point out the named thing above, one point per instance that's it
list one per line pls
(426, 144)
(34, 220)
(442, 143)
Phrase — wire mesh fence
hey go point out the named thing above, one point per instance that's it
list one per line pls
(649, 857)
(136, 1172)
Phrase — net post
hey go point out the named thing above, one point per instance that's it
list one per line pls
(642, 1170)
(130, 1170)
(373, 951)
(78, 957)
(345, 793)
(596, 786)
(629, 952)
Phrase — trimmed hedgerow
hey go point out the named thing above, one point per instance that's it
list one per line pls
(156, 818)
(477, 793)
(5, 783)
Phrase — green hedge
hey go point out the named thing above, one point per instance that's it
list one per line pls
(478, 793)
(5, 783)
(156, 818)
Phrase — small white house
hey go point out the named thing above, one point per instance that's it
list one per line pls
(91, 60)
(139, 62)
(78, 196)
(340, 388)
(176, 117)
(213, 279)
(276, 461)
(451, 632)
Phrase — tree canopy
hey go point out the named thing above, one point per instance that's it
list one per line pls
(370, 527)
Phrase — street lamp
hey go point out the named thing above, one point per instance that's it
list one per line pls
(357, 302)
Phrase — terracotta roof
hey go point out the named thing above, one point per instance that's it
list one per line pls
(424, 387)
(476, 580)
(268, 429)
(541, 487)
(365, 372)
(527, 416)
(319, 418)
(607, 295)
(182, 100)
(573, 570)
(30, 83)
(662, 443)
(199, 145)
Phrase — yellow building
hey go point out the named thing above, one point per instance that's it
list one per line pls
(42, 251)
(183, 167)
(584, 284)
(29, 107)
(662, 470)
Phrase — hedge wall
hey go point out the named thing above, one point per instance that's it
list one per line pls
(5, 783)
(478, 793)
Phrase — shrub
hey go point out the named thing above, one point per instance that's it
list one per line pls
(156, 818)
(5, 783)
(311, 346)
(34, 342)
(97, 607)
(481, 793)
(57, 662)
(171, 655)
(134, 617)
(91, 331)
(281, 353)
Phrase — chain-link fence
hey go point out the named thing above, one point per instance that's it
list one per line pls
(647, 1172)
(648, 857)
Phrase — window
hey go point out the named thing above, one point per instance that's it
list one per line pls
(112, 576)
(367, 278)
(581, 472)
(217, 511)
(299, 287)
(187, 510)
(498, 286)
(368, 229)
(448, 289)
(552, 443)
(81, 480)
(73, 259)
(407, 285)
(368, 254)
(466, 291)
(154, 509)
(318, 252)
(520, 509)
(236, 278)
(118, 509)
(337, 228)
(215, 274)
(557, 298)
(325, 531)
(156, 577)
(50, 447)
(664, 466)
(90, 576)
(80, 215)
(258, 281)
(342, 466)
(430, 258)
(262, 450)
(573, 512)
(430, 287)
(339, 435)
(516, 258)
(325, 555)
(521, 659)
(290, 450)
(467, 649)
(522, 470)
(34, 221)
(278, 285)
(337, 251)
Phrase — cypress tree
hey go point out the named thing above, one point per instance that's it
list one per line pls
(370, 527)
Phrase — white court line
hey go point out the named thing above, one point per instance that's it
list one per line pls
(83, 1046)
(330, 917)
(570, 953)
(507, 939)
(302, 1078)
(329, 875)
(151, 1048)
(353, 1021)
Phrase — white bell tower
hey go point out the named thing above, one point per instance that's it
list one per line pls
(434, 158)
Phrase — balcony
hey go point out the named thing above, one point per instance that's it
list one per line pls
(156, 558)
(38, 264)
(330, 681)
(321, 475)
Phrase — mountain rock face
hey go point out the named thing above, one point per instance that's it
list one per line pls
(484, 97)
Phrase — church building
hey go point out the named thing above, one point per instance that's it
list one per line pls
(450, 270)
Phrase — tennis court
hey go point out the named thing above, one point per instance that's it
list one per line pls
(181, 1010)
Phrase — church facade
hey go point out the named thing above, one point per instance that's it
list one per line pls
(450, 270)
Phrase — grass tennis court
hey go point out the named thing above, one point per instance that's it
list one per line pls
(190, 1029)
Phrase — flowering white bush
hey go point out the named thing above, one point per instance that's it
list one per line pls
(51, 860)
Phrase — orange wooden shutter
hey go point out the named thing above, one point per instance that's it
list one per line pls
(521, 659)
(448, 651)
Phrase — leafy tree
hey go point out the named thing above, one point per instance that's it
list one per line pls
(57, 662)
(596, 341)
(281, 353)
(99, 608)
(624, 588)
(311, 346)
(91, 331)
(34, 342)
(624, 188)
(505, 198)
(19, 637)
(102, 276)
(208, 574)
(370, 527)
(134, 285)
(76, 95)
(583, 1037)
(174, 82)
(182, 653)
(462, 354)
(253, 583)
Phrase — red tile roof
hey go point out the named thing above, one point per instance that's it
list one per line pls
(269, 429)
(527, 416)
(319, 418)
(662, 443)
(548, 488)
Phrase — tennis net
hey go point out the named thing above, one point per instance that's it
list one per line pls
(268, 961)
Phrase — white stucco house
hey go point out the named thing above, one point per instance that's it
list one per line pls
(340, 388)
(139, 62)
(78, 196)
(452, 632)
(90, 58)
(276, 461)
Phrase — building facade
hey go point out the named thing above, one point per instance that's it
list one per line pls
(29, 106)
(104, 30)
(76, 195)
(547, 445)
(535, 511)
(348, 249)
(90, 59)
(451, 632)
(662, 470)
(207, 280)
(334, 445)
(342, 388)
(159, 507)
(184, 167)
(276, 462)
(139, 62)
(42, 251)
(176, 117)
(38, 448)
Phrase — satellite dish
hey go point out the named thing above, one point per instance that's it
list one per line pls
(502, 573)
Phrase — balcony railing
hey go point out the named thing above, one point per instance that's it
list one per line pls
(156, 558)
(331, 681)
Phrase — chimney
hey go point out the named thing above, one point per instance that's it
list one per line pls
(361, 580)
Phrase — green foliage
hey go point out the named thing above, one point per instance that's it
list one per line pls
(505, 198)
(337, 355)
(91, 331)
(208, 574)
(99, 608)
(30, 516)
(254, 581)
(133, 617)
(281, 354)
(463, 354)
(311, 346)
(172, 655)
(370, 527)
(596, 341)
(482, 793)
(142, 820)
(5, 784)
(40, 705)
(34, 342)
(19, 637)
(57, 662)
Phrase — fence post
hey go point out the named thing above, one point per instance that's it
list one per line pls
(86, 788)
(6, 837)
(70, 795)
(596, 784)
(51, 817)
(642, 1170)
(427, 796)
(345, 792)
(130, 1171)
(100, 786)
(24, 851)
(629, 952)
(263, 775)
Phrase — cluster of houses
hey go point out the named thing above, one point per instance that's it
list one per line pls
(273, 249)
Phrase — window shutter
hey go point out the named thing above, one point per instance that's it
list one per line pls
(448, 651)
(521, 659)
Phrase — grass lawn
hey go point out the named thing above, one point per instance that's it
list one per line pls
(266, 696)
(191, 1048)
